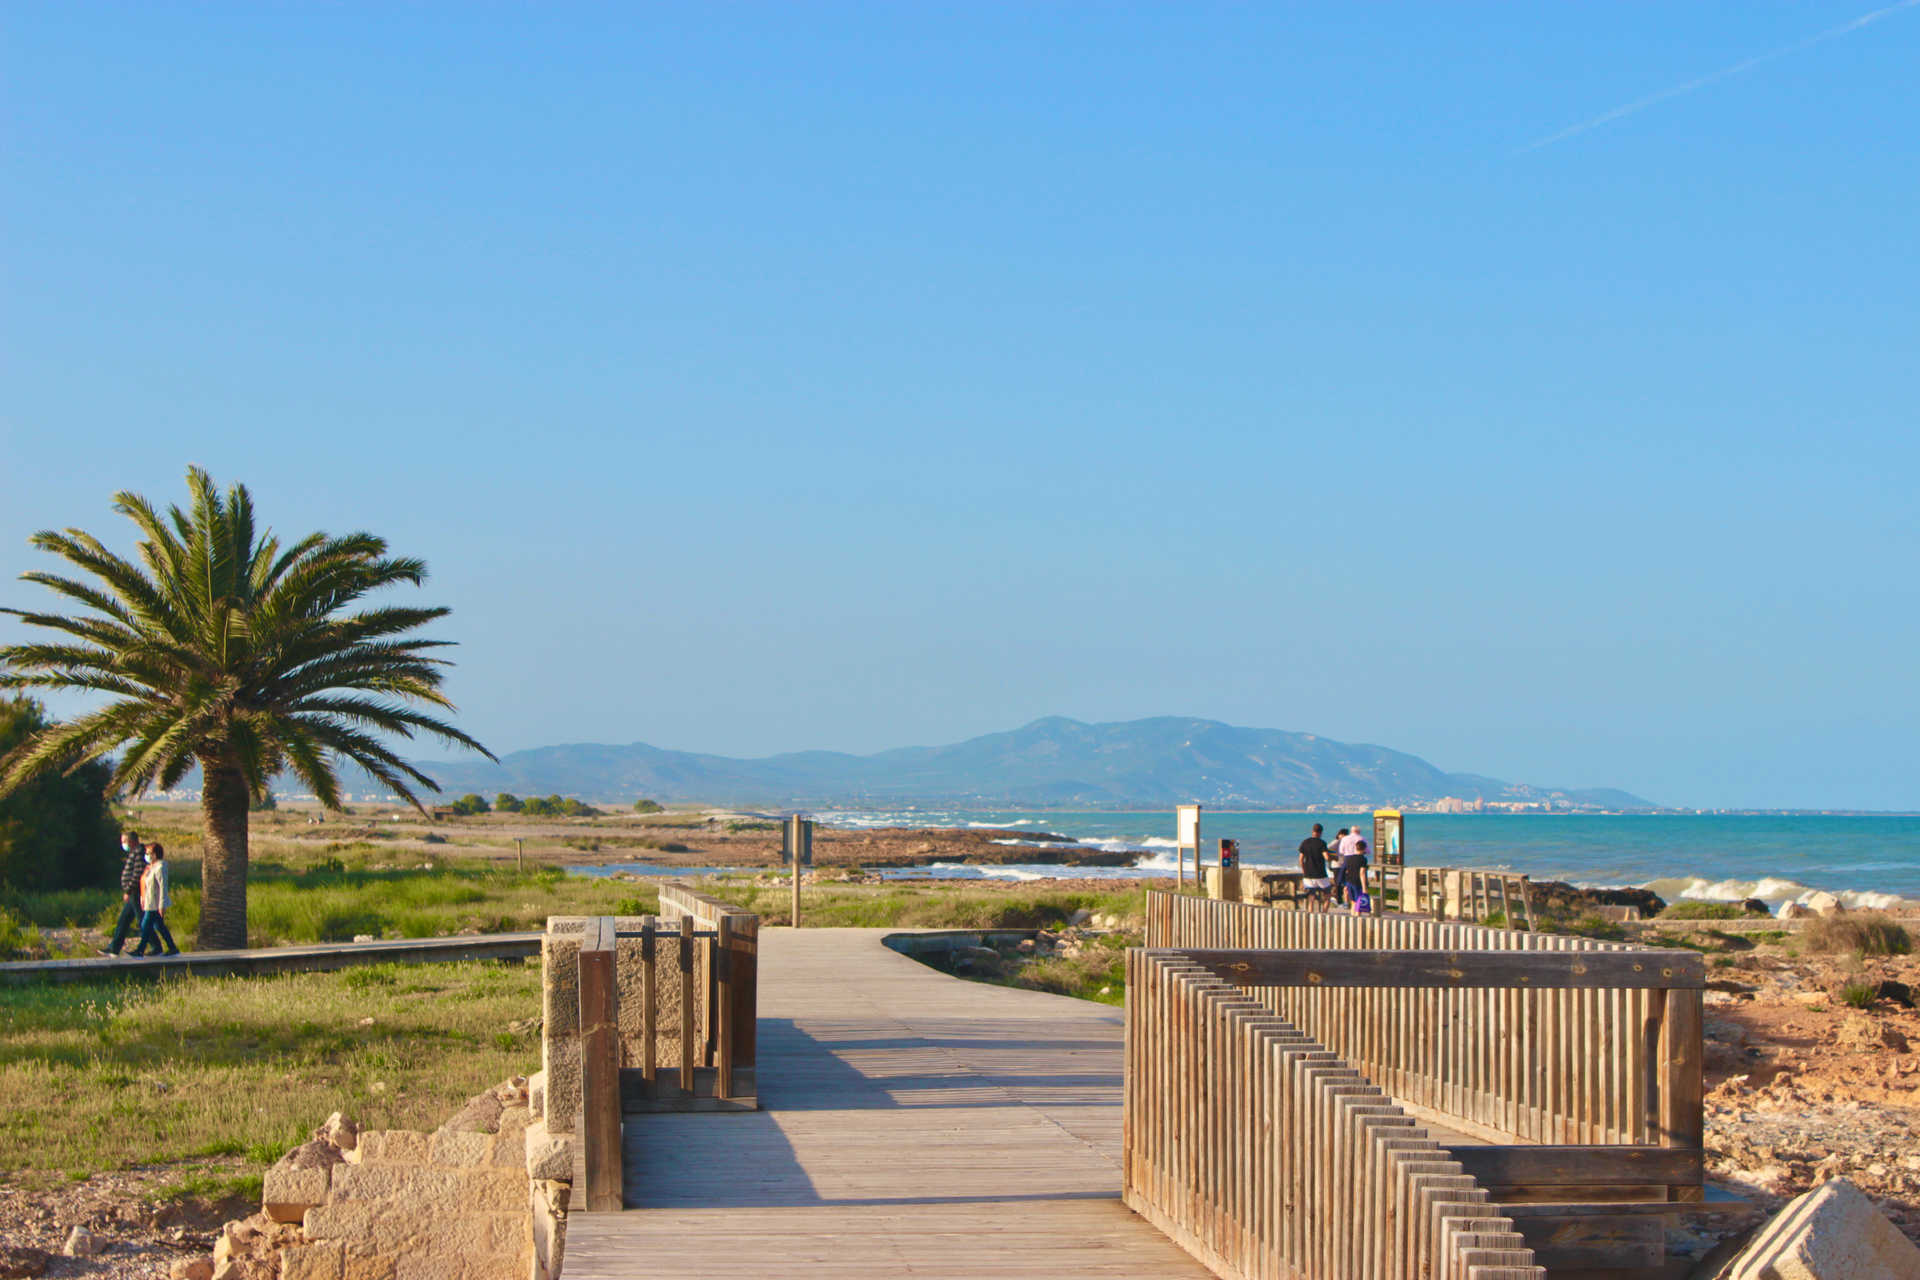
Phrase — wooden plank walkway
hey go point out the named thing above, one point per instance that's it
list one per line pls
(912, 1125)
(264, 960)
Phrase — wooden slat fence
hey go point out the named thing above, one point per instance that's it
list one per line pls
(1588, 1065)
(1465, 893)
(1254, 1147)
(646, 1013)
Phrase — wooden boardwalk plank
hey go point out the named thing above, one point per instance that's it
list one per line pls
(912, 1125)
(304, 958)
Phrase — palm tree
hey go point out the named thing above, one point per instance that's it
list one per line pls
(224, 650)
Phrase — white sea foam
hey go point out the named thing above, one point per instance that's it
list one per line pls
(1775, 891)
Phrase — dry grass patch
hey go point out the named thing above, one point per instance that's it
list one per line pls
(1868, 933)
(198, 1071)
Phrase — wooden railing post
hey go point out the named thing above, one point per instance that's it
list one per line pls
(743, 966)
(686, 1005)
(1682, 1117)
(649, 1006)
(600, 1067)
(722, 969)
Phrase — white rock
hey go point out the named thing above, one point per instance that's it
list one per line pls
(82, 1243)
(1831, 1233)
(1823, 903)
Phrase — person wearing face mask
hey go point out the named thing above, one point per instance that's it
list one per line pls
(131, 869)
(154, 901)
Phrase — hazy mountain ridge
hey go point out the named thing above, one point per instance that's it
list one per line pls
(1053, 762)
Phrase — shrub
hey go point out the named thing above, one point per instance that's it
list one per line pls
(57, 831)
(470, 806)
(1856, 994)
(648, 806)
(1704, 911)
(1868, 934)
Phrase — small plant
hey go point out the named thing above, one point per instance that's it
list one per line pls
(1704, 911)
(1866, 934)
(1856, 995)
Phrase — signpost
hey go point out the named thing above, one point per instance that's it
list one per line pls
(1390, 853)
(1187, 836)
(796, 845)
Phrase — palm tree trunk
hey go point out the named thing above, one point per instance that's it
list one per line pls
(224, 801)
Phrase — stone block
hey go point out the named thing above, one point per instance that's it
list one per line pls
(310, 1262)
(548, 1155)
(392, 1146)
(493, 1190)
(452, 1235)
(510, 1233)
(418, 1266)
(340, 1221)
(1831, 1233)
(498, 1266)
(378, 1266)
(513, 1124)
(537, 1094)
(452, 1150)
(418, 1184)
(547, 1205)
(298, 1180)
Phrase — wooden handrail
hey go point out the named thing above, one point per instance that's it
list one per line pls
(1260, 1152)
(1651, 969)
(1563, 1063)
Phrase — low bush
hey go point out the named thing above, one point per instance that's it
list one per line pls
(1857, 995)
(1704, 911)
(1867, 934)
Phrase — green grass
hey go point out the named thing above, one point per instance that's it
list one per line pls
(1857, 995)
(195, 1073)
(942, 906)
(1705, 911)
(355, 889)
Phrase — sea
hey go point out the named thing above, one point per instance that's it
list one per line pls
(1865, 861)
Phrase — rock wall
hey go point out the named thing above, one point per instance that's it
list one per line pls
(484, 1197)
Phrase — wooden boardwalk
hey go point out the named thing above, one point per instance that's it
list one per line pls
(912, 1125)
(303, 958)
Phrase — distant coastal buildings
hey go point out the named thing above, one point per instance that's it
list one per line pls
(1454, 804)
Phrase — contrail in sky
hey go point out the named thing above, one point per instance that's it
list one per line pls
(1738, 68)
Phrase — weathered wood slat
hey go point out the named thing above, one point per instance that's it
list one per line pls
(1454, 970)
(1577, 1166)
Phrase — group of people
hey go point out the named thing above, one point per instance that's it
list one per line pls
(1335, 874)
(145, 899)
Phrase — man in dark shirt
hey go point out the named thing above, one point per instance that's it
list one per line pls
(1313, 869)
(130, 872)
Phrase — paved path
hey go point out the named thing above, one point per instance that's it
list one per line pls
(297, 959)
(912, 1124)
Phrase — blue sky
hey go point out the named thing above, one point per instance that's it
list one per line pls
(766, 377)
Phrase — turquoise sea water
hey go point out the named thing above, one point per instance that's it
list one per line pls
(1869, 861)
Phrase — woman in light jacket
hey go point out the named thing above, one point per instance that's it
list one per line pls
(155, 898)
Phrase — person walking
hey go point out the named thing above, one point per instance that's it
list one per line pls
(1353, 873)
(1314, 881)
(131, 868)
(155, 898)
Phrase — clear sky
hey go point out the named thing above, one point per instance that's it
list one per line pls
(767, 377)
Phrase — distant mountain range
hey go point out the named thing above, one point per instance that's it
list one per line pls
(1051, 763)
